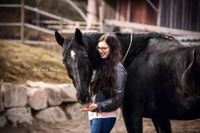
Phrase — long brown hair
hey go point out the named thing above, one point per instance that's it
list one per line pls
(105, 78)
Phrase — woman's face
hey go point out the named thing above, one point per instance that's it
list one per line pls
(103, 49)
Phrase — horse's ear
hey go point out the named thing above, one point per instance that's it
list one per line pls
(60, 40)
(78, 36)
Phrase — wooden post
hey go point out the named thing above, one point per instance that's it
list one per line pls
(91, 15)
(117, 10)
(101, 18)
(37, 14)
(128, 11)
(101, 15)
(171, 13)
(22, 21)
(159, 15)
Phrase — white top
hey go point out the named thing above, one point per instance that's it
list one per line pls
(93, 115)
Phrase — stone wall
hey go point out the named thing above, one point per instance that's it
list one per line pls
(22, 104)
(39, 107)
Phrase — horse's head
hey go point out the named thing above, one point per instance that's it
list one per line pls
(77, 63)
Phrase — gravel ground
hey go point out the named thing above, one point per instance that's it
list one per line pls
(79, 124)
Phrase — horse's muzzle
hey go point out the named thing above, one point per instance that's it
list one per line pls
(83, 97)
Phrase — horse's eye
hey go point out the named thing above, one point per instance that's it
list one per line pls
(85, 57)
(64, 62)
(70, 76)
(69, 72)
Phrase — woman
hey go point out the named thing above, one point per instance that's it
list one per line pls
(107, 87)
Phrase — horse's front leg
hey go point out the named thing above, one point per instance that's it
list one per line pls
(162, 125)
(132, 119)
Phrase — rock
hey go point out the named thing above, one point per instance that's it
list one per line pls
(54, 97)
(37, 98)
(44, 85)
(14, 95)
(52, 114)
(1, 102)
(1, 98)
(19, 116)
(3, 121)
(1, 82)
(68, 92)
(72, 111)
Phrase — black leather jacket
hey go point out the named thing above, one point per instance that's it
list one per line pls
(108, 104)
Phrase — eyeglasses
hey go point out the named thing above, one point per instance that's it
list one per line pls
(101, 48)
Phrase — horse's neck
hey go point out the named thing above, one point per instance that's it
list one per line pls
(91, 42)
(124, 39)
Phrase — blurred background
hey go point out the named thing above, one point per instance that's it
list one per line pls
(28, 50)
(38, 19)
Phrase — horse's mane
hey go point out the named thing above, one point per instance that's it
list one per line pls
(139, 43)
(90, 41)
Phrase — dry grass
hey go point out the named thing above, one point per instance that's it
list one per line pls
(19, 63)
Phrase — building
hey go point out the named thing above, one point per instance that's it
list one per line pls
(178, 14)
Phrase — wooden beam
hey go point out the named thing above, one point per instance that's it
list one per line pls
(10, 5)
(150, 28)
(66, 31)
(152, 5)
(47, 14)
(10, 24)
(39, 28)
(77, 9)
(33, 42)
(22, 21)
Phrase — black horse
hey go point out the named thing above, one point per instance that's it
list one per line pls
(163, 76)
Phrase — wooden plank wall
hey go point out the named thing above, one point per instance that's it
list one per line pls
(110, 9)
(180, 14)
(140, 12)
(143, 13)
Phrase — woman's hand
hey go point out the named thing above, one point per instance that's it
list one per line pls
(90, 107)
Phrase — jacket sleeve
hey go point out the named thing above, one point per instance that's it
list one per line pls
(115, 102)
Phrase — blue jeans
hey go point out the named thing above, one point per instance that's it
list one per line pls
(102, 125)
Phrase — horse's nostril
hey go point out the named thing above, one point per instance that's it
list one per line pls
(89, 99)
(83, 97)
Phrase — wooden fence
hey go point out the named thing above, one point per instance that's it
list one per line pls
(64, 25)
